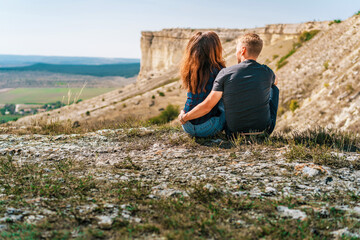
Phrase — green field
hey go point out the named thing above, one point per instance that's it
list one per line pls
(47, 95)
(7, 118)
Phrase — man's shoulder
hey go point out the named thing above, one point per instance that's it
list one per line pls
(230, 70)
(267, 68)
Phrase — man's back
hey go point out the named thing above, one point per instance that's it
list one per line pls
(246, 90)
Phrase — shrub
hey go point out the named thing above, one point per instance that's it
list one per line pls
(124, 105)
(326, 65)
(87, 113)
(293, 105)
(349, 88)
(281, 111)
(326, 85)
(335, 21)
(161, 94)
(282, 62)
(306, 36)
(153, 97)
(275, 56)
(170, 113)
(358, 13)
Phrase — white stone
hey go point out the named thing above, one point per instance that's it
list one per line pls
(209, 187)
(310, 172)
(291, 213)
(270, 190)
(104, 222)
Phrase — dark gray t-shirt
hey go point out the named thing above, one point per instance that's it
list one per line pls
(246, 91)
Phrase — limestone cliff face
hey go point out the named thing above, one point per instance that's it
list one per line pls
(162, 50)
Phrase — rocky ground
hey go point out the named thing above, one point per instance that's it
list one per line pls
(158, 183)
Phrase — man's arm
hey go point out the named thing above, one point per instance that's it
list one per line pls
(203, 108)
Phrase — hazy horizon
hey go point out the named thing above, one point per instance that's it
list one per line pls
(111, 29)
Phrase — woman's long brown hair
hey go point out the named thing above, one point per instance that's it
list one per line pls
(202, 55)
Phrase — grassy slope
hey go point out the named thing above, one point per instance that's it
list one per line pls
(47, 95)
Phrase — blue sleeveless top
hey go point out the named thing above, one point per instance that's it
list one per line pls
(194, 99)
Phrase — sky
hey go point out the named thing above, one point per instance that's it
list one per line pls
(112, 28)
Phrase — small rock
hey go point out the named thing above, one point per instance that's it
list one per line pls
(109, 205)
(255, 192)
(323, 213)
(2, 227)
(33, 219)
(152, 196)
(239, 193)
(270, 191)
(126, 214)
(124, 178)
(11, 211)
(104, 222)
(345, 233)
(171, 193)
(240, 222)
(48, 212)
(292, 213)
(209, 187)
(356, 210)
(310, 172)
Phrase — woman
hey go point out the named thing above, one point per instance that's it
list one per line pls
(201, 63)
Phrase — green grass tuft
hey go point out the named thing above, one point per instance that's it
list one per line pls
(293, 105)
(169, 114)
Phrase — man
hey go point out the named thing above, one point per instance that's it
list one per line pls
(248, 90)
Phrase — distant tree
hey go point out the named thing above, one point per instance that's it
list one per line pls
(10, 107)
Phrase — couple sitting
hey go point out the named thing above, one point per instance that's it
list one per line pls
(241, 99)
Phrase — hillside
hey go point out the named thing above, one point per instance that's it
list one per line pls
(323, 77)
(18, 71)
(126, 70)
(161, 54)
(26, 60)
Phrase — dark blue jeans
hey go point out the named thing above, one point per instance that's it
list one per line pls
(274, 103)
(208, 128)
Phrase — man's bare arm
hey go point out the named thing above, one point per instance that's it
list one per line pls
(203, 108)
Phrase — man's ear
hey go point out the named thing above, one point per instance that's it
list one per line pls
(243, 50)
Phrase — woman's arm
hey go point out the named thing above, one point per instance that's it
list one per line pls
(202, 108)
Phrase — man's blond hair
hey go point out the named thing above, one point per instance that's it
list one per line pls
(252, 42)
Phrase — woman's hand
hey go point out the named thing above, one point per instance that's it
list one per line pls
(180, 117)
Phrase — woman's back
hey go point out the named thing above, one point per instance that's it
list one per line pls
(193, 99)
(201, 63)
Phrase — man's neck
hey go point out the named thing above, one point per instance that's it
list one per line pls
(247, 58)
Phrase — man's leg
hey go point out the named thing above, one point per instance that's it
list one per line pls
(274, 103)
